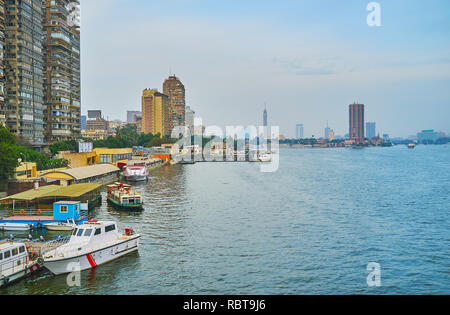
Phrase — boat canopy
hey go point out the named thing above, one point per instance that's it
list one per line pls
(53, 191)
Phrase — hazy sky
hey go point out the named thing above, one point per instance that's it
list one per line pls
(308, 60)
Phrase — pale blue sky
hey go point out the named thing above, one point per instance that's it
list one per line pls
(306, 59)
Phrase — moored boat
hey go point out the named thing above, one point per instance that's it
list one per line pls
(92, 244)
(15, 227)
(61, 226)
(411, 146)
(15, 262)
(135, 173)
(265, 158)
(122, 196)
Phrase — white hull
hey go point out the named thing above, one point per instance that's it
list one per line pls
(14, 227)
(135, 178)
(92, 259)
(19, 275)
(59, 228)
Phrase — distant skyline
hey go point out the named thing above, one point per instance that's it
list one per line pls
(308, 60)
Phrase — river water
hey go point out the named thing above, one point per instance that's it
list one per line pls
(312, 227)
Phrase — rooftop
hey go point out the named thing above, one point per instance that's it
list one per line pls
(81, 173)
(53, 191)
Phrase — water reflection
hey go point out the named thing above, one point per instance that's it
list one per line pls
(312, 227)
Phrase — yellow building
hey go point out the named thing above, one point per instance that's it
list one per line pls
(26, 171)
(113, 156)
(156, 113)
(79, 159)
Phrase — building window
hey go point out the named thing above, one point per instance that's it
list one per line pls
(63, 209)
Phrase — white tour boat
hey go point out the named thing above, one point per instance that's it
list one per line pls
(15, 227)
(91, 244)
(61, 227)
(15, 262)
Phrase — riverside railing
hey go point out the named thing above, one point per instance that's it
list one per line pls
(26, 213)
(32, 213)
(42, 249)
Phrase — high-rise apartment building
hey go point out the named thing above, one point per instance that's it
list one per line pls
(356, 122)
(23, 63)
(176, 92)
(40, 70)
(2, 69)
(62, 78)
(371, 130)
(156, 113)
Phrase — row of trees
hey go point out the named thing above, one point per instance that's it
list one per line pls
(11, 151)
(128, 136)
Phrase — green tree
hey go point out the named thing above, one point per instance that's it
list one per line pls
(6, 136)
(64, 146)
(155, 142)
(9, 160)
(9, 157)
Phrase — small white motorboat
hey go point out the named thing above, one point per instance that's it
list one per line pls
(61, 227)
(265, 158)
(92, 244)
(15, 227)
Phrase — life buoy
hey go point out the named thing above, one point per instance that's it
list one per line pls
(39, 212)
(22, 212)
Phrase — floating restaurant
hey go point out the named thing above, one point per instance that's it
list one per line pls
(50, 204)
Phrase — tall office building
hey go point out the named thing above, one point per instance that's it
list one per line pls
(176, 92)
(299, 130)
(2, 70)
(356, 122)
(190, 118)
(156, 113)
(62, 81)
(327, 131)
(265, 120)
(371, 130)
(132, 116)
(83, 122)
(23, 61)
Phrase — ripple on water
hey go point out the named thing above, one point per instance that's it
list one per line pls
(310, 228)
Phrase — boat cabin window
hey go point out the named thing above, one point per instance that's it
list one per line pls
(75, 232)
(98, 232)
(7, 254)
(63, 209)
(80, 232)
(88, 232)
(22, 250)
(1, 256)
(110, 228)
(15, 251)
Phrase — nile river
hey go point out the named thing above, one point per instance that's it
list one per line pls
(310, 228)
